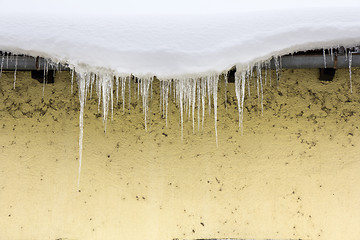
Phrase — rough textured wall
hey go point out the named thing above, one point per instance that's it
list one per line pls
(293, 174)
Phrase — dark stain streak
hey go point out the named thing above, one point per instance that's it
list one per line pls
(217, 180)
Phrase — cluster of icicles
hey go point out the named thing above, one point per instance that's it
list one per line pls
(191, 94)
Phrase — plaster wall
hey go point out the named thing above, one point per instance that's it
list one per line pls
(294, 174)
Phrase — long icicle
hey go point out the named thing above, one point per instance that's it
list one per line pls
(81, 84)
(215, 90)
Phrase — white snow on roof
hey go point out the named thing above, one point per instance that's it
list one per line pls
(171, 38)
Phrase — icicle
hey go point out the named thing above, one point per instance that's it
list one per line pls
(130, 92)
(123, 85)
(225, 85)
(189, 95)
(278, 69)
(203, 91)
(265, 71)
(240, 95)
(161, 99)
(111, 89)
(92, 81)
(2, 64)
(16, 63)
(81, 83)
(350, 62)
(72, 79)
(258, 76)
(346, 55)
(198, 101)
(243, 79)
(44, 79)
(180, 92)
(138, 87)
(193, 99)
(324, 54)
(214, 92)
(332, 54)
(151, 89)
(107, 83)
(7, 60)
(209, 94)
(248, 79)
(145, 87)
(117, 89)
(261, 96)
(98, 90)
(270, 72)
(167, 91)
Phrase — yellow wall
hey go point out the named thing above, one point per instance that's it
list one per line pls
(295, 173)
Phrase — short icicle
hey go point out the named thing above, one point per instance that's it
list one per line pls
(2, 65)
(16, 63)
(350, 62)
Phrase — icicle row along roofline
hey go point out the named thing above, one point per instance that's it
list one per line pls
(191, 93)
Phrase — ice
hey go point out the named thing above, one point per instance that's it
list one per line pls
(324, 54)
(123, 88)
(164, 98)
(2, 64)
(44, 82)
(267, 68)
(215, 82)
(277, 60)
(129, 91)
(350, 62)
(193, 99)
(192, 94)
(225, 88)
(145, 83)
(72, 80)
(138, 89)
(346, 54)
(179, 88)
(259, 84)
(240, 79)
(198, 83)
(248, 82)
(81, 84)
(203, 91)
(16, 63)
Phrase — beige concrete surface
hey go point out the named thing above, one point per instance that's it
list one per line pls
(294, 174)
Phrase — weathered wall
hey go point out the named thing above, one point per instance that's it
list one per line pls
(293, 174)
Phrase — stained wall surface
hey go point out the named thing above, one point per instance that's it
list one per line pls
(293, 174)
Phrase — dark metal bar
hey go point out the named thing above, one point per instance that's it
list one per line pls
(27, 63)
(316, 61)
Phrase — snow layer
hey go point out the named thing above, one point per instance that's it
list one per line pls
(183, 43)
